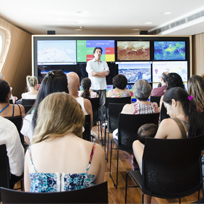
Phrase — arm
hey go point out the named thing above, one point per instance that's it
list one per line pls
(26, 173)
(164, 129)
(99, 74)
(101, 173)
(109, 94)
(22, 110)
(88, 108)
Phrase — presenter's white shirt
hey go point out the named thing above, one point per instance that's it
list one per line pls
(10, 137)
(94, 66)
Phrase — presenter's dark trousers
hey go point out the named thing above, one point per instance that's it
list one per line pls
(102, 102)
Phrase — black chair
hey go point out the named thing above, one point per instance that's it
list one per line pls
(128, 126)
(95, 106)
(163, 113)
(171, 168)
(5, 169)
(113, 116)
(28, 104)
(124, 100)
(87, 127)
(155, 99)
(94, 194)
(18, 121)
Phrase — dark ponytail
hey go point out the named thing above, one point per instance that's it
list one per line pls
(195, 117)
(86, 84)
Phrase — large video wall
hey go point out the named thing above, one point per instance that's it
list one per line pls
(140, 57)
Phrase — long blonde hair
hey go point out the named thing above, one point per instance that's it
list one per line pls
(58, 115)
(196, 89)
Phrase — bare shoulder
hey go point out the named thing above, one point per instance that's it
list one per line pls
(127, 109)
(109, 94)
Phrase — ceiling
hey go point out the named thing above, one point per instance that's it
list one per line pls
(116, 17)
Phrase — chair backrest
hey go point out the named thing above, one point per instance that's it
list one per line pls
(4, 168)
(172, 167)
(163, 113)
(155, 99)
(128, 126)
(28, 102)
(18, 121)
(94, 194)
(95, 106)
(87, 127)
(114, 111)
(116, 100)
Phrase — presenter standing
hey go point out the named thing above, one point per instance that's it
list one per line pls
(97, 72)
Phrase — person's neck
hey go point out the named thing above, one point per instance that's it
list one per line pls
(73, 93)
(2, 105)
(142, 102)
(164, 84)
(98, 60)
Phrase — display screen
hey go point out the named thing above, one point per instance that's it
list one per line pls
(85, 50)
(135, 71)
(52, 52)
(169, 50)
(180, 68)
(133, 50)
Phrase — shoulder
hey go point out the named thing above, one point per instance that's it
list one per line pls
(109, 93)
(128, 109)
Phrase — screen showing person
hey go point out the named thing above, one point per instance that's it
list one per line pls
(85, 50)
(179, 67)
(135, 71)
(169, 50)
(52, 52)
(133, 50)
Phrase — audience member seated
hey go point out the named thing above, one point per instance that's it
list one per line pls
(185, 121)
(202, 75)
(10, 137)
(73, 86)
(69, 162)
(159, 91)
(173, 80)
(196, 89)
(119, 82)
(8, 110)
(87, 92)
(32, 85)
(54, 81)
(141, 91)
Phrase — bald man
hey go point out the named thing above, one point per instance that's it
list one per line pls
(73, 86)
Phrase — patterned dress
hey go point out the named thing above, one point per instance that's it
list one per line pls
(120, 95)
(55, 182)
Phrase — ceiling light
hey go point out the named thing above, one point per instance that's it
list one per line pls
(78, 29)
(82, 12)
(148, 23)
(135, 29)
(165, 13)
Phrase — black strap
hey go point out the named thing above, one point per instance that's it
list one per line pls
(181, 127)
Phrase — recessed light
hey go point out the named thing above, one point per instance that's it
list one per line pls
(82, 12)
(165, 13)
(78, 29)
(135, 29)
(148, 23)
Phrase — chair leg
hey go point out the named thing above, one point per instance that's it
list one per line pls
(106, 153)
(142, 198)
(179, 200)
(126, 188)
(115, 184)
(107, 147)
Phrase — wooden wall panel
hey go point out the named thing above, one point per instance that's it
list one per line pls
(17, 64)
(198, 54)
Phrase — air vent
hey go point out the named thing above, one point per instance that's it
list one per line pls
(177, 23)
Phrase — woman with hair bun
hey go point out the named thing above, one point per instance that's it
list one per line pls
(185, 121)
(32, 85)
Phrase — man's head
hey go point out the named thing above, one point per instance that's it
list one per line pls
(163, 78)
(97, 53)
(73, 83)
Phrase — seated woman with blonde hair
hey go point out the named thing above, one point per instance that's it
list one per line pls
(119, 82)
(59, 159)
(32, 85)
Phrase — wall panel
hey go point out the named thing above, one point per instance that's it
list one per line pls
(17, 62)
(198, 54)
